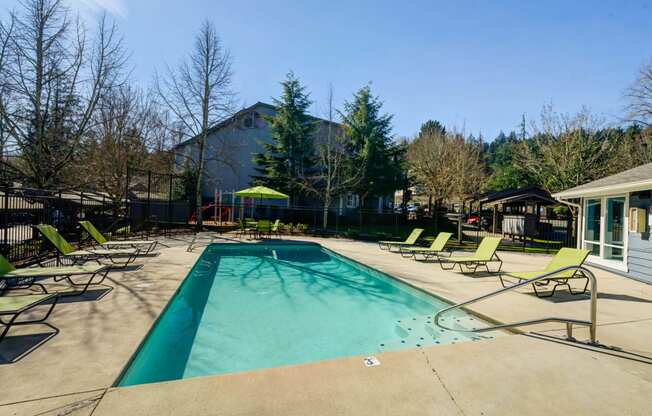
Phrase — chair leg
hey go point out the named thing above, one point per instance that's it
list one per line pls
(152, 247)
(104, 274)
(14, 317)
(441, 264)
(471, 267)
(7, 325)
(583, 291)
(502, 282)
(552, 293)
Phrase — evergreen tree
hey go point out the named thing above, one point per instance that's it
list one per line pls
(375, 157)
(499, 157)
(432, 127)
(291, 156)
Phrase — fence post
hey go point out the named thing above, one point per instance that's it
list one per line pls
(169, 222)
(127, 207)
(395, 222)
(5, 224)
(149, 195)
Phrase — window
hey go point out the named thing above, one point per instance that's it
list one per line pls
(352, 200)
(249, 120)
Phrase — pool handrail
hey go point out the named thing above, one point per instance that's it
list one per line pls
(591, 323)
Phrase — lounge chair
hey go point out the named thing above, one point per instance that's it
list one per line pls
(484, 254)
(104, 242)
(565, 257)
(276, 228)
(436, 248)
(121, 257)
(263, 227)
(246, 226)
(25, 278)
(11, 307)
(410, 241)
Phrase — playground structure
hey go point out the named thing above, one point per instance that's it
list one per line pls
(227, 208)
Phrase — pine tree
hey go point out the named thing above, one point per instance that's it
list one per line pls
(290, 156)
(374, 155)
(432, 127)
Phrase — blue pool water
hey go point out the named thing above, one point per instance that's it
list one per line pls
(253, 306)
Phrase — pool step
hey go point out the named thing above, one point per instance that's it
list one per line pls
(420, 331)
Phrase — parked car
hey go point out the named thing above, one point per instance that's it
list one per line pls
(476, 219)
(413, 207)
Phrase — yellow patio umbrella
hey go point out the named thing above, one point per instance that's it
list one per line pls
(261, 192)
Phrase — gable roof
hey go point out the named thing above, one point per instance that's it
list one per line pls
(232, 118)
(531, 193)
(229, 120)
(636, 179)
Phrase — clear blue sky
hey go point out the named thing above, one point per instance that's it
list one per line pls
(478, 64)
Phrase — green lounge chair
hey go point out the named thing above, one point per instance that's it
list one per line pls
(25, 277)
(263, 227)
(484, 254)
(565, 257)
(246, 226)
(276, 228)
(104, 242)
(11, 307)
(81, 256)
(410, 241)
(436, 248)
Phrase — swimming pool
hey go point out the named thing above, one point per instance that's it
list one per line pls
(253, 306)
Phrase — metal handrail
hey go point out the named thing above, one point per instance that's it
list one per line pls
(547, 276)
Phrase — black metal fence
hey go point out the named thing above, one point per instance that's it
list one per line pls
(151, 202)
(157, 202)
(23, 208)
(364, 223)
(162, 203)
(526, 231)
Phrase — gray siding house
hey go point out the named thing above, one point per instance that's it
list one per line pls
(615, 220)
(229, 149)
(231, 146)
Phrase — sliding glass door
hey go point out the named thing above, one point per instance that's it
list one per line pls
(592, 227)
(604, 227)
(614, 236)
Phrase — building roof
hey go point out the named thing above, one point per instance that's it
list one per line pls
(531, 194)
(232, 118)
(636, 179)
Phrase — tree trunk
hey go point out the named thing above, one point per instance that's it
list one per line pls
(200, 174)
(460, 236)
(325, 219)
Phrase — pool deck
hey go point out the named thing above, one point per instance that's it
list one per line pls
(537, 372)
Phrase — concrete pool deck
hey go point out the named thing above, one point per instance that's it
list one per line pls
(72, 373)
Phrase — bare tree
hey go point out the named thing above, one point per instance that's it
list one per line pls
(567, 150)
(446, 164)
(55, 77)
(6, 31)
(640, 97)
(128, 130)
(429, 157)
(334, 176)
(469, 174)
(198, 93)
